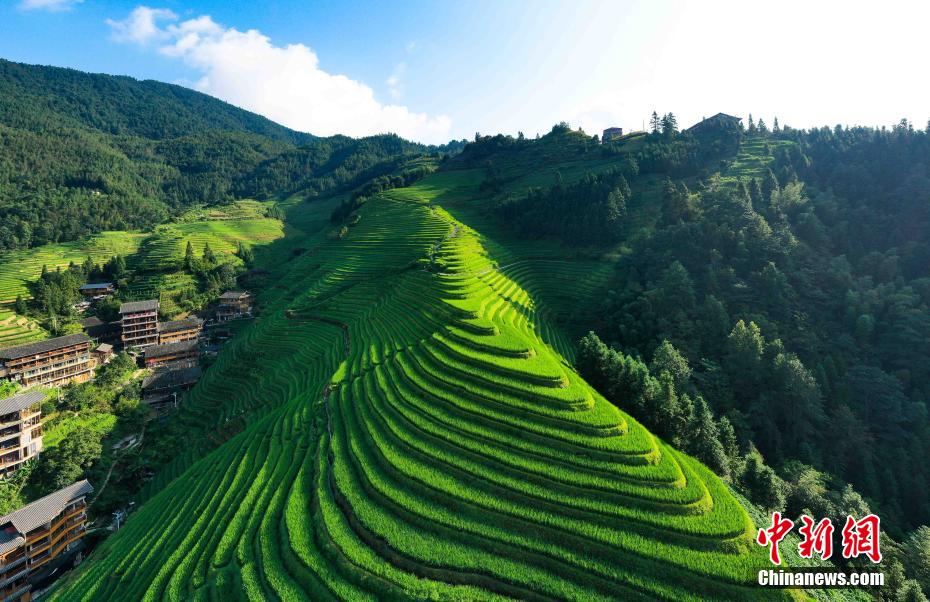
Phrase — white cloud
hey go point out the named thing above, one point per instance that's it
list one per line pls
(49, 5)
(284, 83)
(396, 81)
(141, 27)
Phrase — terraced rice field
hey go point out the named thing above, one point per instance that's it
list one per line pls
(751, 161)
(18, 268)
(16, 330)
(165, 248)
(389, 431)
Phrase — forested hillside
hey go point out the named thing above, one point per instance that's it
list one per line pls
(779, 277)
(82, 153)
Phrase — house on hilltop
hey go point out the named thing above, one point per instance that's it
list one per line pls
(97, 290)
(100, 331)
(160, 391)
(611, 134)
(157, 355)
(186, 329)
(720, 121)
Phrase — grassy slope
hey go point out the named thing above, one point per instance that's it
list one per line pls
(161, 254)
(16, 330)
(382, 431)
(19, 268)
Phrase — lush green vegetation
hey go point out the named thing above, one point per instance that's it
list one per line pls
(403, 419)
(788, 271)
(80, 424)
(19, 269)
(398, 424)
(83, 153)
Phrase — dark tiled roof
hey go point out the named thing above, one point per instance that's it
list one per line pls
(38, 513)
(135, 306)
(95, 327)
(12, 353)
(233, 295)
(169, 349)
(169, 379)
(176, 325)
(95, 285)
(20, 401)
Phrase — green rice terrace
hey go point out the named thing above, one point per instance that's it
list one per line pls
(19, 268)
(223, 228)
(400, 422)
(160, 256)
(16, 330)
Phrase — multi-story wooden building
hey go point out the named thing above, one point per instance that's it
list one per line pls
(52, 362)
(161, 390)
(233, 304)
(187, 329)
(139, 323)
(20, 430)
(96, 290)
(182, 351)
(100, 331)
(44, 533)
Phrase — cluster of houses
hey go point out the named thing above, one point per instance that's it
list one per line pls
(46, 535)
(161, 346)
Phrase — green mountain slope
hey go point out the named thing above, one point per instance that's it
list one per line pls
(39, 98)
(82, 153)
(397, 424)
(790, 269)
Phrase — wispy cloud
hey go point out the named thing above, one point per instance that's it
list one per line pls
(396, 81)
(48, 5)
(141, 26)
(284, 83)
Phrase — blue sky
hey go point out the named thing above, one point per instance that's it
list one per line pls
(436, 70)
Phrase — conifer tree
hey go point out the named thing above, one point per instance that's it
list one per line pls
(189, 256)
(655, 122)
(704, 437)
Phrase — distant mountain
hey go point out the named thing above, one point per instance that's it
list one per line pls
(81, 153)
(38, 98)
